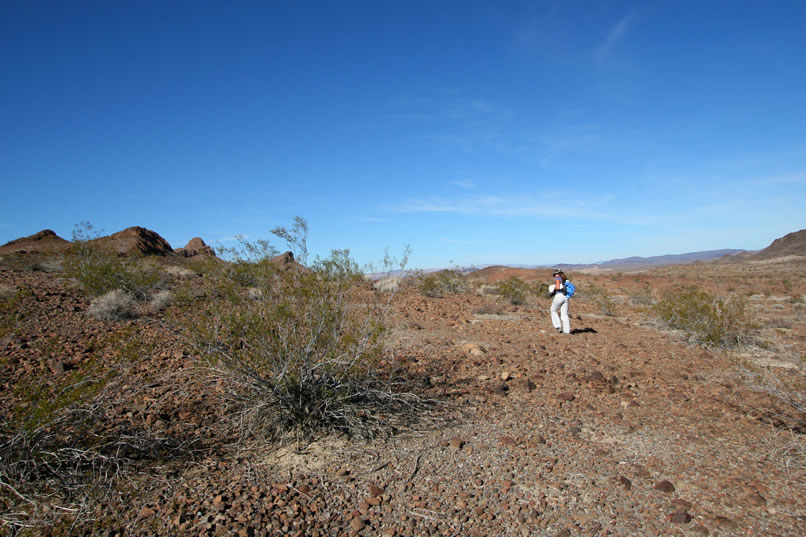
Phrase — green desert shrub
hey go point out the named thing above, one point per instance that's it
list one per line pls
(602, 299)
(300, 349)
(514, 290)
(429, 286)
(100, 271)
(708, 319)
(642, 297)
(444, 282)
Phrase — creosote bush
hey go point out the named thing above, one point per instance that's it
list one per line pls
(299, 348)
(708, 319)
(643, 297)
(100, 271)
(601, 299)
(514, 290)
(444, 282)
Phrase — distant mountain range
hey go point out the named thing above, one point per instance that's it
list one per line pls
(146, 242)
(642, 263)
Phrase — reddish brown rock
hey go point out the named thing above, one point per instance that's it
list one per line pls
(196, 246)
(457, 443)
(357, 523)
(665, 486)
(135, 240)
(45, 241)
(679, 518)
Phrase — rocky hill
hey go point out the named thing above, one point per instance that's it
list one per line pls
(134, 240)
(42, 242)
(792, 244)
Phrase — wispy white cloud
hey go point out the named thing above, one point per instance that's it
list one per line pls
(613, 36)
(372, 219)
(548, 205)
(233, 238)
(464, 183)
(572, 139)
(469, 243)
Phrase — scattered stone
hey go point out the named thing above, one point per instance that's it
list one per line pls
(146, 512)
(474, 349)
(357, 523)
(566, 396)
(457, 443)
(375, 490)
(596, 376)
(681, 505)
(725, 523)
(679, 518)
(665, 486)
(757, 499)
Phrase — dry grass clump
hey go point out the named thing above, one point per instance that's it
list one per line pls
(489, 307)
(483, 289)
(7, 291)
(115, 305)
(387, 285)
(49, 264)
(180, 272)
(62, 450)
(160, 300)
(787, 385)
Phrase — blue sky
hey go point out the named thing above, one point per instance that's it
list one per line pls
(476, 132)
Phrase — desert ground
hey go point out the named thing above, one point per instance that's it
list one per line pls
(624, 427)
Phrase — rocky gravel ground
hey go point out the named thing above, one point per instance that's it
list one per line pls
(617, 429)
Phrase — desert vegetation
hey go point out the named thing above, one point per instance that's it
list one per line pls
(300, 348)
(260, 393)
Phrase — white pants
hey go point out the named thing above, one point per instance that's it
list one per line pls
(561, 320)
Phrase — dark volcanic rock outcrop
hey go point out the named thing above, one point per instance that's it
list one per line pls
(286, 261)
(196, 246)
(136, 240)
(791, 244)
(44, 241)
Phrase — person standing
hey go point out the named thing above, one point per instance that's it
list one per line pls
(559, 303)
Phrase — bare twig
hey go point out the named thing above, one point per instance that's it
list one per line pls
(416, 467)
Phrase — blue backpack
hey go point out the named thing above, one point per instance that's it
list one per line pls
(570, 288)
